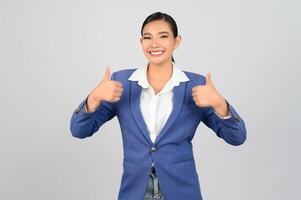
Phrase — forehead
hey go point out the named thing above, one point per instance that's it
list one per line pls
(156, 27)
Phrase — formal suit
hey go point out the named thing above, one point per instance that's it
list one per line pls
(172, 151)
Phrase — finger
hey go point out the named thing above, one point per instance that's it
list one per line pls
(107, 74)
(116, 99)
(118, 84)
(194, 88)
(117, 94)
(118, 90)
(208, 78)
(194, 99)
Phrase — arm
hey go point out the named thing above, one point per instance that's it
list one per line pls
(84, 124)
(232, 129)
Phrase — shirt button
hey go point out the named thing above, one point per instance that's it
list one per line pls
(153, 149)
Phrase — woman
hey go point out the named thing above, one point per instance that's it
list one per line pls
(158, 107)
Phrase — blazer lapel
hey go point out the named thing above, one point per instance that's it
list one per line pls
(135, 109)
(178, 97)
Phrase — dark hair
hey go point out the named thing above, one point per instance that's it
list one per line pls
(165, 17)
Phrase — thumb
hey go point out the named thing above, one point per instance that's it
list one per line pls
(107, 73)
(208, 78)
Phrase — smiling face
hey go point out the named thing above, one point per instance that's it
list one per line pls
(158, 42)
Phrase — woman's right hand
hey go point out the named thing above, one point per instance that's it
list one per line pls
(106, 90)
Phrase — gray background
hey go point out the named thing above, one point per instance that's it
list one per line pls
(53, 53)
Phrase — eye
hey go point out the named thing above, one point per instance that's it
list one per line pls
(164, 36)
(146, 38)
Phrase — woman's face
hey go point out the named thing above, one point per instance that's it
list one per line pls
(158, 42)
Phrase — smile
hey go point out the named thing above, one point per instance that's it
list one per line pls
(156, 53)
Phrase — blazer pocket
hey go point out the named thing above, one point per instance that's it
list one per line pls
(189, 158)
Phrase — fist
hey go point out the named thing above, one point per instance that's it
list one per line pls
(206, 95)
(107, 90)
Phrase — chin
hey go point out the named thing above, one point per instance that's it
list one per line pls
(157, 61)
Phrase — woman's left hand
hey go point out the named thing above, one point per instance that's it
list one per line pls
(206, 95)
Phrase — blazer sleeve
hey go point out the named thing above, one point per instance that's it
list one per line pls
(232, 130)
(84, 124)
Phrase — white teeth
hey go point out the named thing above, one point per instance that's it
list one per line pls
(156, 53)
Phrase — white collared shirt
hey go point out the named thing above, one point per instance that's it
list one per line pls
(156, 108)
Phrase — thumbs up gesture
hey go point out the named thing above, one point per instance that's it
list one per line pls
(106, 90)
(206, 95)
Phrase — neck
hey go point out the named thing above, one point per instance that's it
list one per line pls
(162, 71)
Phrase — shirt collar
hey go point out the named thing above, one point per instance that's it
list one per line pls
(140, 75)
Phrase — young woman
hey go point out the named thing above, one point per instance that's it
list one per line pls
(159, 108)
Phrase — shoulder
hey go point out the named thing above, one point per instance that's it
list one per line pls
(123, 74)
(195, 78)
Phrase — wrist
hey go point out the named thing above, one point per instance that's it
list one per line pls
(221, 108)
(220, 102)
(95, 96)
(92, 103)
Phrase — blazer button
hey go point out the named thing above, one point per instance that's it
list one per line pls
(153, 149)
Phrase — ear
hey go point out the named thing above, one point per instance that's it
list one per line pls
(141, 40)
(178, 41)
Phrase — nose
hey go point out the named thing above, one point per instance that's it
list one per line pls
(154, 43)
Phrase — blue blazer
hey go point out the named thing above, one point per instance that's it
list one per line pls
(172, 151)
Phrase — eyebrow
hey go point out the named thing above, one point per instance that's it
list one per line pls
(162, 32)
